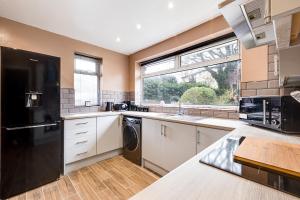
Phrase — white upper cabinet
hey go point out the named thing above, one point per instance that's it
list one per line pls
(109, 133)
(280, 7)
(260, 22)
(286, 20)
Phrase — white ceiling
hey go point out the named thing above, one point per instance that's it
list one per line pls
(100, 22)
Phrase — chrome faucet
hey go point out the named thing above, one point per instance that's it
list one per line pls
(180, 108)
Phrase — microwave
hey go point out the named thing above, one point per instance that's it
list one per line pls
(280, 113)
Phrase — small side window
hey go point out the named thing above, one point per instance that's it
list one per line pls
(86, 80)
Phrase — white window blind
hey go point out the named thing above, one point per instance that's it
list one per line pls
(86, 80)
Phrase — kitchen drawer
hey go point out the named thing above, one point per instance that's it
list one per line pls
(71, 134)
(79, 148)
(78, 124)
(79, 127)
(79, 154)
(78, 142)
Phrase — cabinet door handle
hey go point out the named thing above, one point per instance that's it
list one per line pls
(81, 142)
(79, 154)
(198, 137)
(81, 123)
(163, 130)
(264, 111)
(30, 127)
(120, 121)
(80, 133)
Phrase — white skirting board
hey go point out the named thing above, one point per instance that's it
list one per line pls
(89, 161)
(149, 165)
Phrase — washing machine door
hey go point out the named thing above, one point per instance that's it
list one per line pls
(131, 138)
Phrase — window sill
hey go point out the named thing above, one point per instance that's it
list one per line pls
(200, 107)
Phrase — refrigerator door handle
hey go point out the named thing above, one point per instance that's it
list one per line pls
(29, 127)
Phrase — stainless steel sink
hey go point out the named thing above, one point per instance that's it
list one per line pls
(181, 117)
(168, 115)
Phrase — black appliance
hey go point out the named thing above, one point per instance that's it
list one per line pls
(31, 137)
(222, 157)
(142, 109)
(120, 106)
(132, 107)
(280, 113)
(109, 106)
(132, 139)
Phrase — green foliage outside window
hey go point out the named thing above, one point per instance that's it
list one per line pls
(171, 88)
(199, 95)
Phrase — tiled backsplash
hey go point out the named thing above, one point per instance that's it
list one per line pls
(115, 96)
(68, 101)
(267, 87)
(206, 112)
(68, 105)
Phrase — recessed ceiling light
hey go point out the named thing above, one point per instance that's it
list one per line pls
(118, 39)
(138, 26)
(170, 5)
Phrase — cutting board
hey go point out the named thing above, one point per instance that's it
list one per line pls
(270, 154)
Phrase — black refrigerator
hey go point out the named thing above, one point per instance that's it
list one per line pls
(31, 135)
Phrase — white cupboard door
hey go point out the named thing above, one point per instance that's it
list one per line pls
(109, 133)
(152, 141)
(179, 144)
(208, 136)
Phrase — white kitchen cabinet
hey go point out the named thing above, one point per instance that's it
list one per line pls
(79, 139)
(167, 144)
(208, 136)
(109, 133)
(283, 8)
(179, 144)
(152, 141)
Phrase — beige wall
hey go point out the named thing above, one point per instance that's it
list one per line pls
(206, 31)
(115, 65)
(265, 86)
(254, 64)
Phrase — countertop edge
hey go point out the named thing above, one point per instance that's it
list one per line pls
(200, 123)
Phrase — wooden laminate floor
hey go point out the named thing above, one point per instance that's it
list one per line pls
(112, 179)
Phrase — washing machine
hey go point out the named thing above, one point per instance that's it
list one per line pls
(132, 139)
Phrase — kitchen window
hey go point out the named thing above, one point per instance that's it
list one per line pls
(209, 75)
(87, 80)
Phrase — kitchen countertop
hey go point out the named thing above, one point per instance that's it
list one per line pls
(88, 115)
(196, 181)
(193, 180)
(184, 119)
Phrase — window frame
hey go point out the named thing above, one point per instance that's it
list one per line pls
(98, 74)
(179, 68)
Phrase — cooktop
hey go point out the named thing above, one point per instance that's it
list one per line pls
(222, 157)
